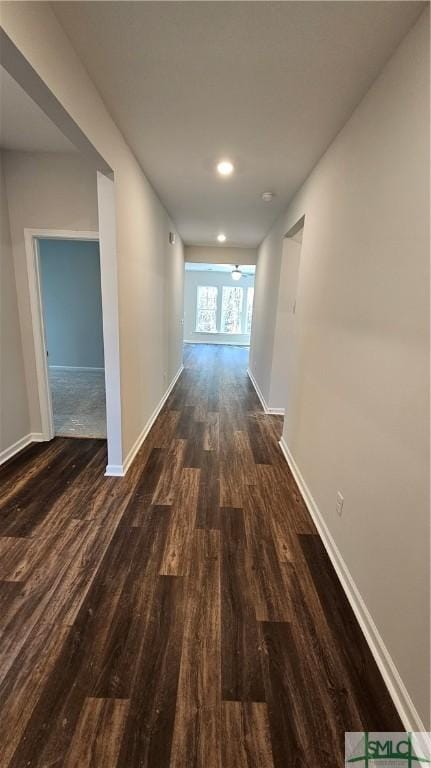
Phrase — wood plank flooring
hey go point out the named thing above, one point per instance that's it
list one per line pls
(185, 616)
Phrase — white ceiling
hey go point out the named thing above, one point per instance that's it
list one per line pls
(23, 125)
(191, 266)
(266, 84)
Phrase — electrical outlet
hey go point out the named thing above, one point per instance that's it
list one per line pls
(340, 503)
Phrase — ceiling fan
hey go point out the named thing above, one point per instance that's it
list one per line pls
(237, 274)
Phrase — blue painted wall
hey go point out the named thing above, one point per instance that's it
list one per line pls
(72, 302)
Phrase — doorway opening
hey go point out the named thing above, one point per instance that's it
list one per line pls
(218, 304)
(73, 332)
(54, 178)
(65, 295)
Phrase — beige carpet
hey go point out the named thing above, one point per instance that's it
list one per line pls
(78, 401)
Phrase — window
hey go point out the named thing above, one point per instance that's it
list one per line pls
(249, 310)
(231, 309)
(232, 314)
(206, 309)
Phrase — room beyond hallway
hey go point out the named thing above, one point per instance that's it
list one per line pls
(185, 615)
(70, 282)
(218, 302)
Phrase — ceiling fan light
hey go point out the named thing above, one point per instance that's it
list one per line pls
(236, 273)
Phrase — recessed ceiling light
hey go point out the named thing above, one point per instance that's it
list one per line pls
(225, 168)
(221, 238)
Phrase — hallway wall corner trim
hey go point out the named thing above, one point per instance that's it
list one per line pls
(265, 406)
(398, 691)
(19, 445)
(119, 470)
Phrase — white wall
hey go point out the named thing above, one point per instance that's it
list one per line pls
(14, 414)
(220, 254)
(219, 279)
(174, 303)
(360, 420)
(267, 280)
(111, 326)
(142, 222)
(284, 385)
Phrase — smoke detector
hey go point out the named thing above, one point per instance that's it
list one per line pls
(267, 196)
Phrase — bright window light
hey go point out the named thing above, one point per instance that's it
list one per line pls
(249, 314)
(231, 310)
(206, 309)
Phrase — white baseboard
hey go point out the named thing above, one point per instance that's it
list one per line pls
(114, 470)
(266, 408)
(74, 368)
(398, 691)
(119, 470)
(225, 343)
(23, 442)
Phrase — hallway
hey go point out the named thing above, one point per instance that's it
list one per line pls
(185, 615)
(194, 579)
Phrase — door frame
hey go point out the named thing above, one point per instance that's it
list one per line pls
(31, 239)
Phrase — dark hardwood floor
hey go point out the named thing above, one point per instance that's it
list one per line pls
(186, 615)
